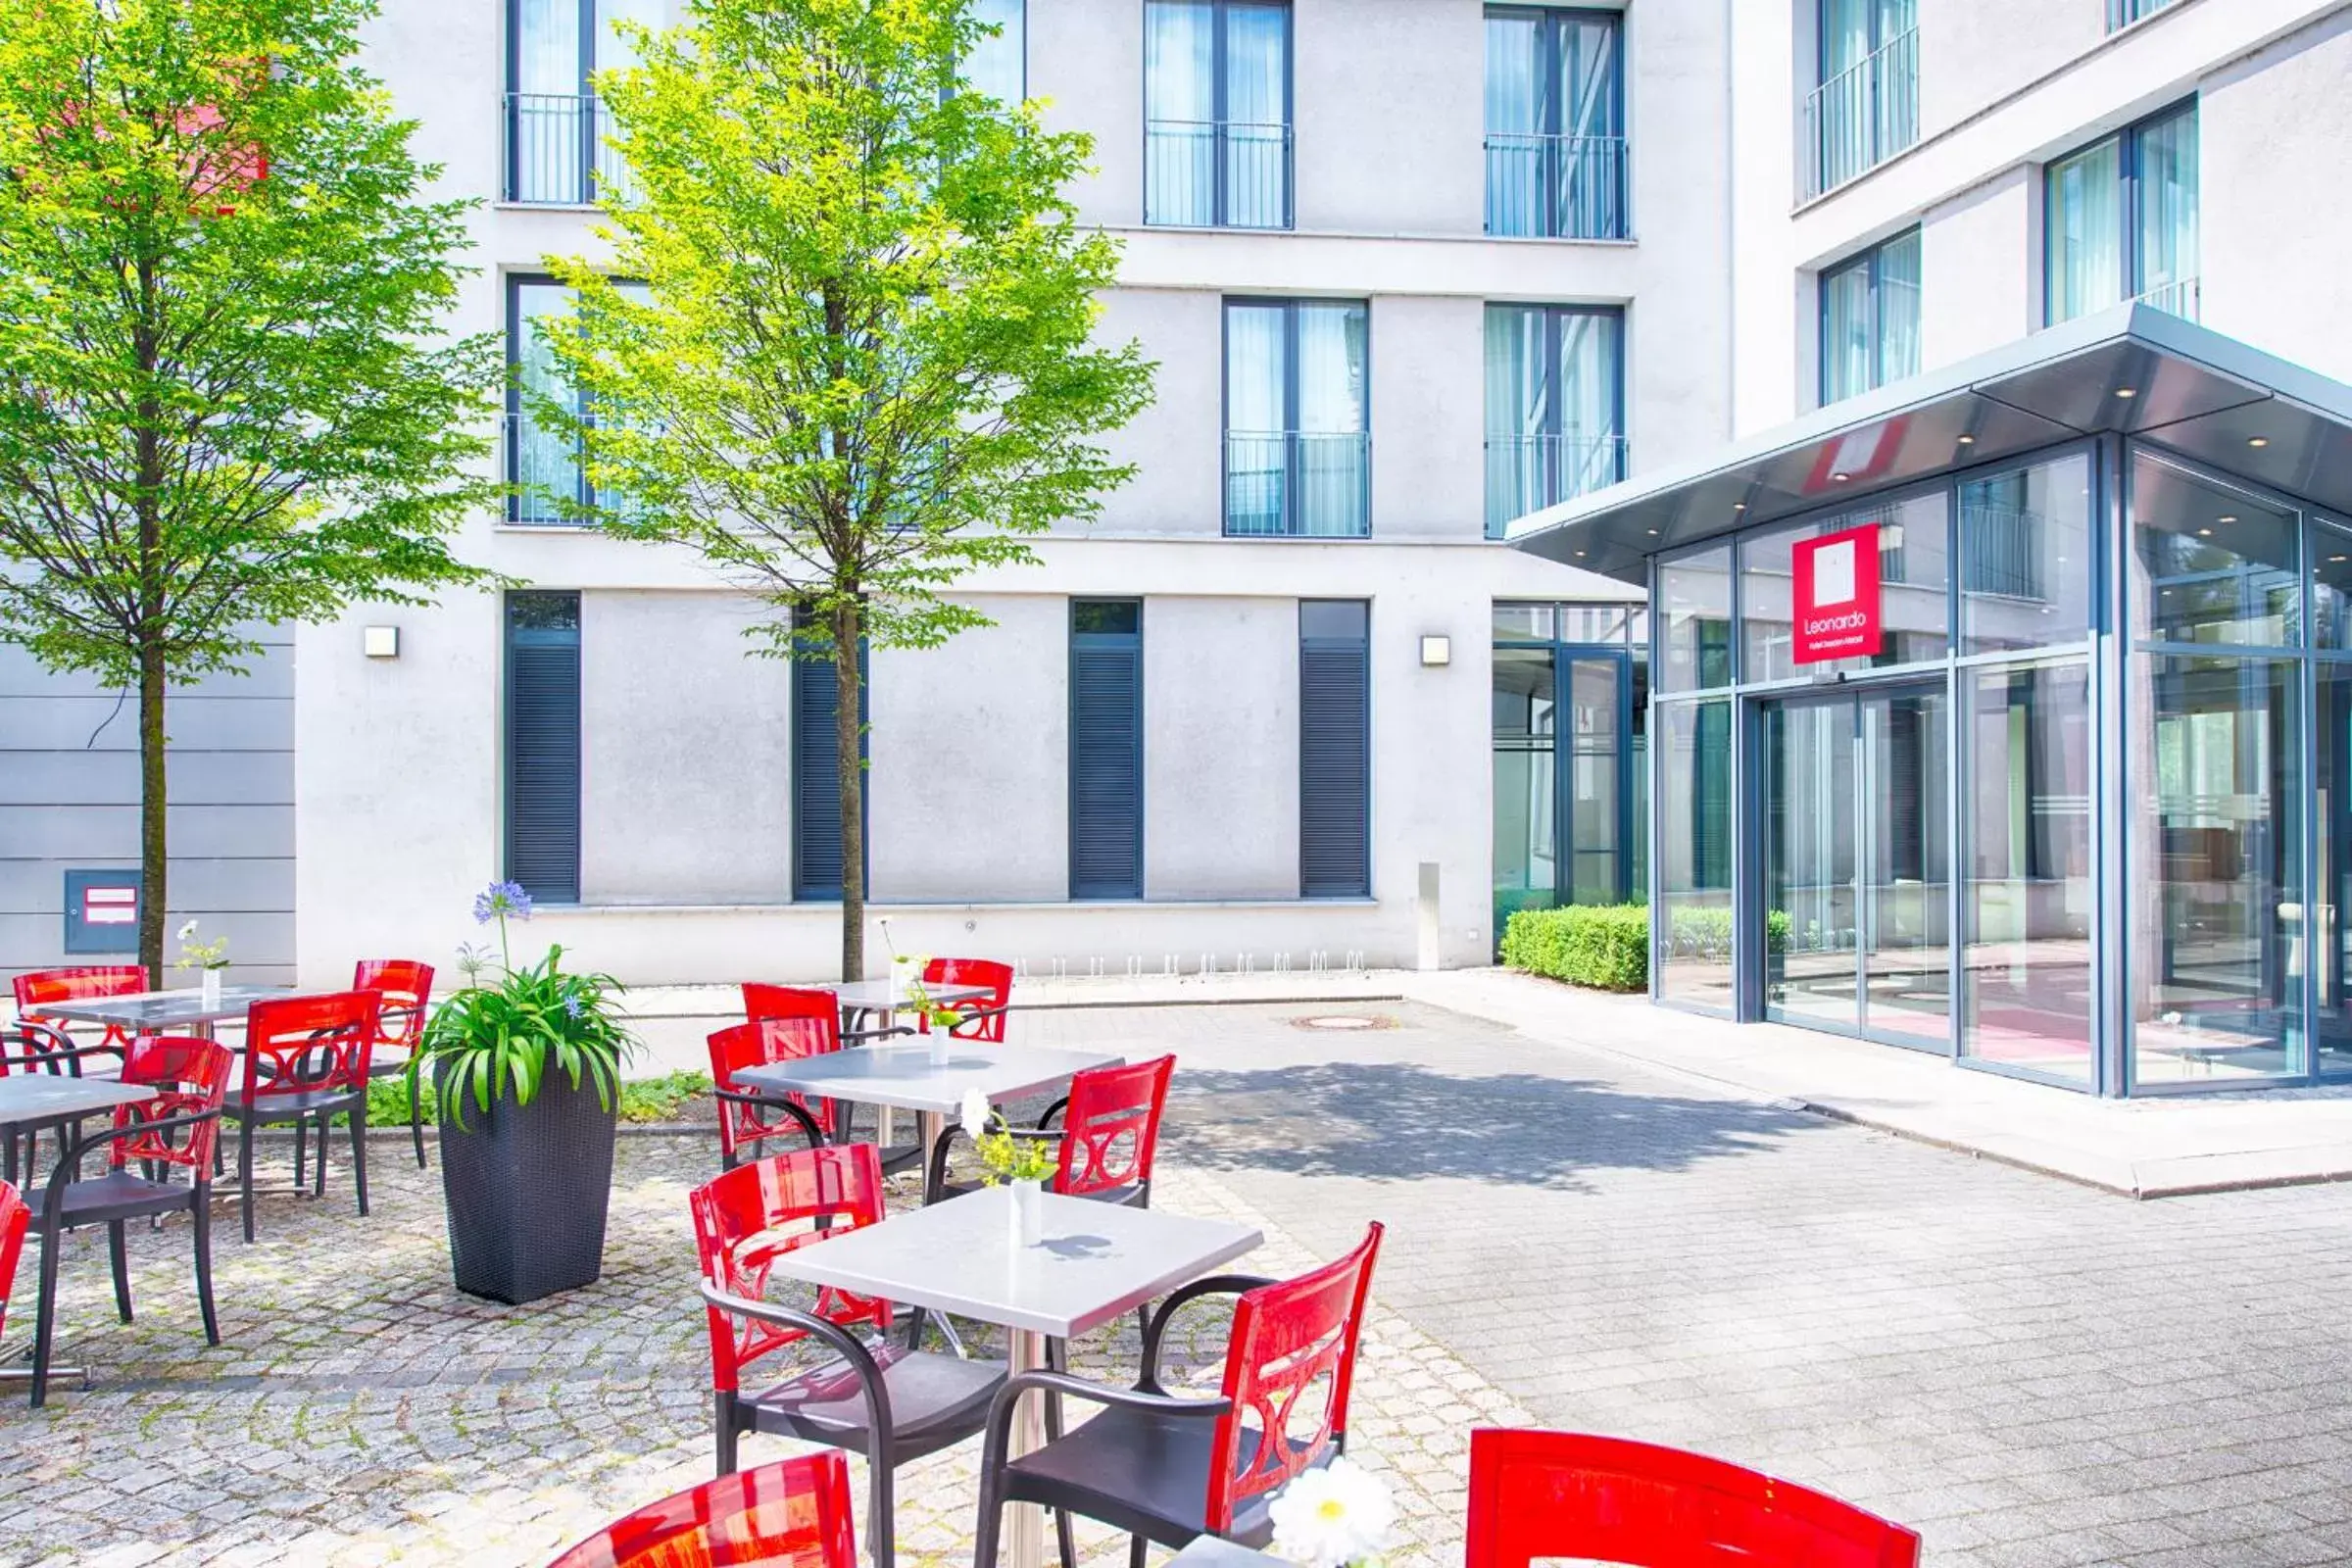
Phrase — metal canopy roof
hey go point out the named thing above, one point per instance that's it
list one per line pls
(2132, 369)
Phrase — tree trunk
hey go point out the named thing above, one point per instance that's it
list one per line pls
(847, 737)
(154, 893)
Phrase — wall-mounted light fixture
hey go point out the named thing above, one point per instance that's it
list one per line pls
(380, 642)
(1435, 649)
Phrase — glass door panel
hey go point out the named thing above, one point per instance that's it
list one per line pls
(1809, 888)
(1906, 947)
(1597, 763)
(1526, 794)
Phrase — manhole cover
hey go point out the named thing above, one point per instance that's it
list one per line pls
(1341, 1020)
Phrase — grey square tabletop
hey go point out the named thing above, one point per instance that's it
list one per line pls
(45, 1097)
(1097, 1262)
(905, 1077)
(149, 1011)
(1208, 1551)
(877, 996)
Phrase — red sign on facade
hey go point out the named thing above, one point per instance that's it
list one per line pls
(1837, 611)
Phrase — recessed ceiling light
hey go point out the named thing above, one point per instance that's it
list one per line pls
(2127, 391)
(2336, 558)
(2258, 441)
(2202, 533)
(1580, 555)
(1968, 440)
(1840, 479)
(1653, 533)
(1739, 506)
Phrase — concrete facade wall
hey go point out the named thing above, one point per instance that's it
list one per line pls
(1220, 748)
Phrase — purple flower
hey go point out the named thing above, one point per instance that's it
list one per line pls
(571, 1004)
(501, 901)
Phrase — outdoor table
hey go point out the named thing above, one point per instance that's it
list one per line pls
(905, 1077)
(1096, 1262)
(884, 998)
(1209, 1551)
(39, 1097)
(153, 1013)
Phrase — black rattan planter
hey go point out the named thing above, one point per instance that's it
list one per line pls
(528, 1189)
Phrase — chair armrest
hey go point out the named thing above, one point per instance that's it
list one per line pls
(735, 1097)
(1059, 1107)
(1008, 1398)
(878, 1032)
(851, 1348)
(69, 1055)
(70, 1156)
(1215, 1285)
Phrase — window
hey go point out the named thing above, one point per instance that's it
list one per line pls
(2122, 14)
(1555, 125)
(1297, 442)
(555, 134)
(1334, 749)
(544, 464)
(1866, 109)
(543, 745)
(998, 65)
(1106, 748)
(1869, 319)
(1217, 113)
(1555, 406)
(817, 774)
(2121, 222)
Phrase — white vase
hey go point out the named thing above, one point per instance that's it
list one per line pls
(902, 979)
(939, 1040)
(1028, 1213)
(209, 988)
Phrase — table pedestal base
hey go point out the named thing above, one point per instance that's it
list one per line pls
(1025, 1524)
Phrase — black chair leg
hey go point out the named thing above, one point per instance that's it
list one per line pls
(302, 1148)
(417, 1120)
(44, 1319)
(119, 1261)
(881, 1521)
(319, 1173)
(729, 1434)
(358, 1150)
(245, 1172)
(202, 1214)
(1136, 1548)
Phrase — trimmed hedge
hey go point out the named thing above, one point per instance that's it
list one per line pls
(1602, 946)
(1607, 946)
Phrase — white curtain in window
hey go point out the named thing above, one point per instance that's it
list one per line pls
(1257, 418)
(998, 65)
(542, 459)
(1514, 125)
(1588, 401)
(1180, 85)
(547, 46)
(1257, 129)
(1845, 332)
(2084, 214)
(1516, 401)
(1590, 122)
(612, 54)
(1845, 34)
(2168, 214)
(1333, 490)
(1897, 308)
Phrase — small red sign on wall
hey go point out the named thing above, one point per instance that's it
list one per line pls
(1837, 595)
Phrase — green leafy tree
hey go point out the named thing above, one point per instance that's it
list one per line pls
(226, 397)
(852, 355)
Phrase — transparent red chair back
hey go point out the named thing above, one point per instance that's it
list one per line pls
(190, 1077)
(77, 983)
(406, 987)
(793, 1513)
(757, 1043)
(1536, 1495)
(1288, 1371)
(1111, 1129)
(746, 1218)
(15, 1220)
(790, 1002)
(987, 1022)
(318, 1045)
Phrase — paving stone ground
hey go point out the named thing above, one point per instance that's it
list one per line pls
(2028, 1372)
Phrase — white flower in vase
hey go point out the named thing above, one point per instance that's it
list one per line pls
(975, 1115)
(1333, 1517)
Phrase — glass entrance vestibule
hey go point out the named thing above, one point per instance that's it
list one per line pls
(2063, 788)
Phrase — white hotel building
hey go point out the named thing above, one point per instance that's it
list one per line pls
(1410, 269)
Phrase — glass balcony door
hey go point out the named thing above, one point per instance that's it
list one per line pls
(1555, 125)
(1856, 882)
(1564, 830)
(1217, 113)
(555, 134)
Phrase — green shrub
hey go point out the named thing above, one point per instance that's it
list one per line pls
(642, 1099)
(1602, 946)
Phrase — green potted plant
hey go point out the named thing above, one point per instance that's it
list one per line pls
(209, 958)
(525, 1068)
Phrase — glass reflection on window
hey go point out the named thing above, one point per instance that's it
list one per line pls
(2024, 556)
(1694, 594)
(2211, 565)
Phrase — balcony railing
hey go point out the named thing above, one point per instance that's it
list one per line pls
(545, 468)
(1303, 483)
(558, 152)
(1863, 115)
(1527, 472)
(1556, 187)
(2183, 296)
(2123, 13)
(1217, 173)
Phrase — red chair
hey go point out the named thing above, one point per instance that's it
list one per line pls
(1541, 1495)
(793, 1513)
(306, 1059)
(808, 1001)
(15, 1217)
(407, 989)
(982, 1019)
(1109, 1135)
(45, 1037)
(891, 1402)
(190, 1077)
(1170, 1470)
(748, 1115)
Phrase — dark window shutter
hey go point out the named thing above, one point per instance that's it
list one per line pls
(1106, 752)
(543, 745)
(1335, 752)
(816, 779)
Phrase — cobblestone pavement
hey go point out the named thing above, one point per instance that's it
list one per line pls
(2028, 1372)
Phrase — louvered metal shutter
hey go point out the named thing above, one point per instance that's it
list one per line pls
(1106, 761)
(1335, 759)
(543, 745)
(816, 779)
